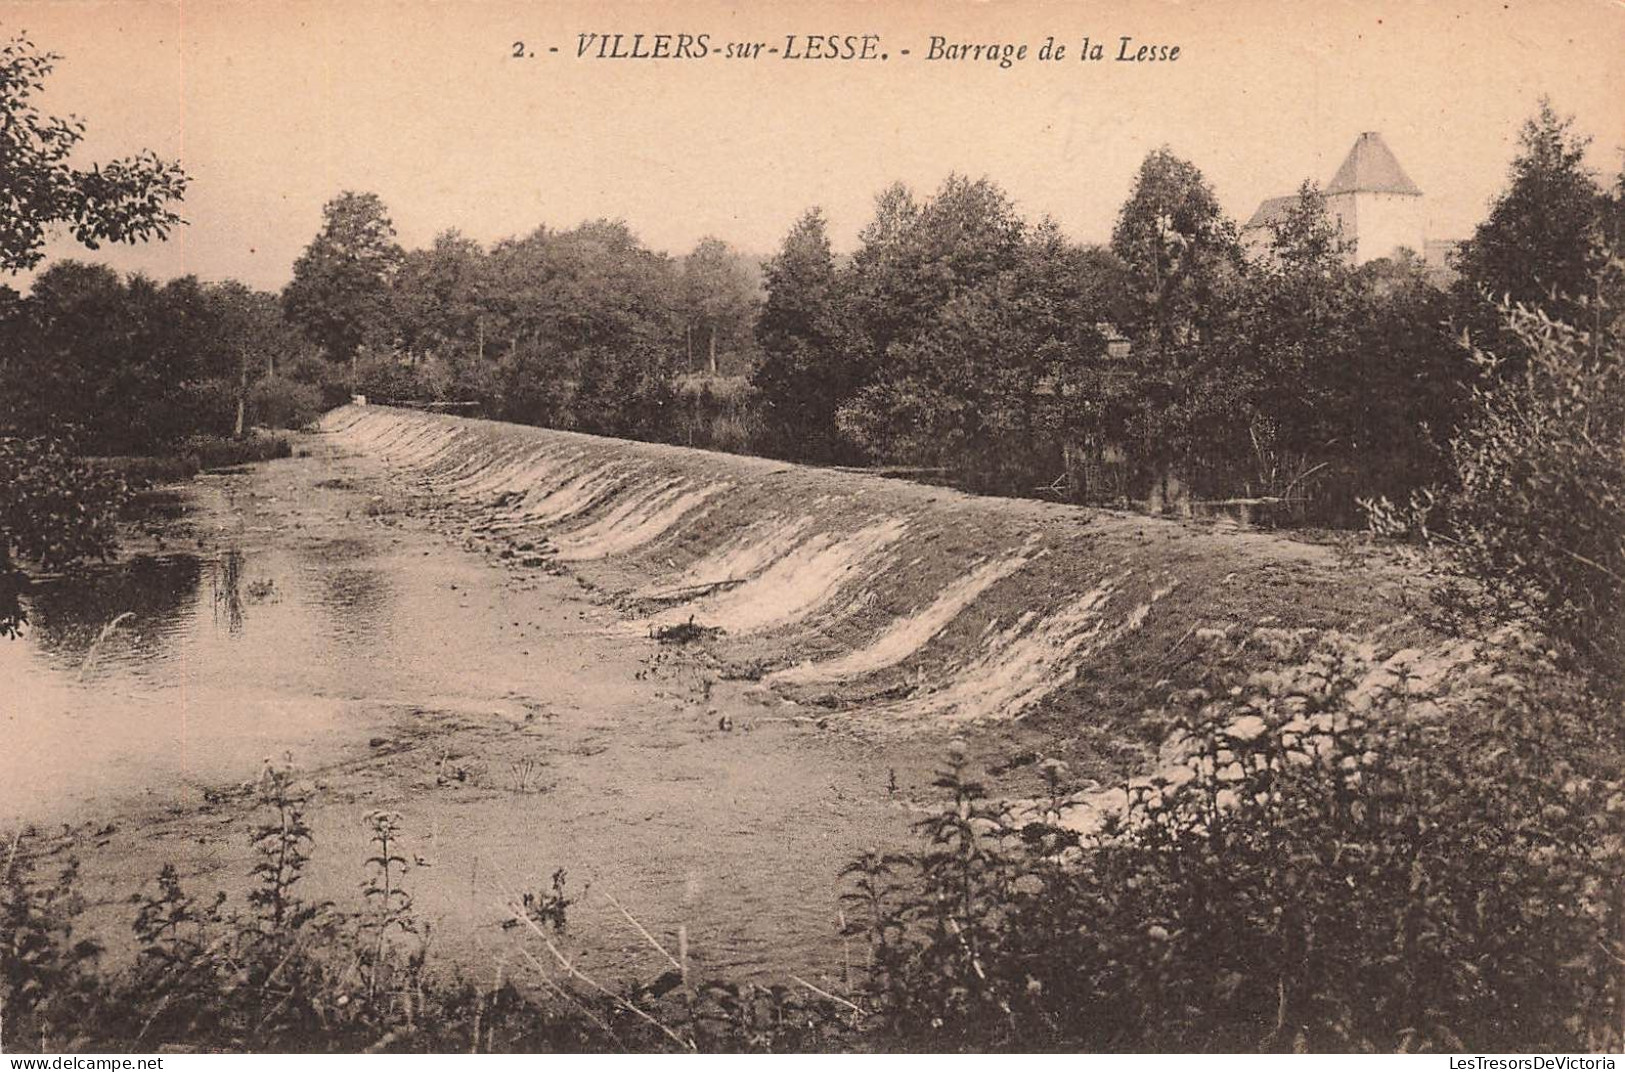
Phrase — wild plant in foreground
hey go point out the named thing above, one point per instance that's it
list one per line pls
(282, 844)
(1530, 525)
(44, 971)
(388, 915)
(550, 907)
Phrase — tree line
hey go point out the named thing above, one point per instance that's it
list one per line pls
(578, 328)
(959, 336)
(962, 336)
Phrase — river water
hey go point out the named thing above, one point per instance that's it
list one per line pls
(304, 612)
(221, 641)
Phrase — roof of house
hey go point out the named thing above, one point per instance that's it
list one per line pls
(1272, 210)
(1370, 167)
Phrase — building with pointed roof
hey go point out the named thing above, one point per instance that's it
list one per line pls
(1371, 168)
(1380, 210)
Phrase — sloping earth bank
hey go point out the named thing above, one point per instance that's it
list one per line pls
(905, 609)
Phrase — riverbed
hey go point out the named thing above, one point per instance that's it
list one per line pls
(301, 613)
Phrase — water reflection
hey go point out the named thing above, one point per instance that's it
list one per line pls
(160, 670)
(68, 612)
(226, 579)
(165, 602)
(264, 637)
(341, 578)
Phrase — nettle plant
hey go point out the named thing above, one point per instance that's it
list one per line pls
(281, 840)
(1335, 858)
(388, 923)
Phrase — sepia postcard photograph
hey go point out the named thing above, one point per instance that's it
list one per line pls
(969, 526)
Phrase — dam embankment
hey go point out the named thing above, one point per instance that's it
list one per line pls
(909, 607)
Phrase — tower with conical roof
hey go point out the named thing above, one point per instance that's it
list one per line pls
(1379, 207)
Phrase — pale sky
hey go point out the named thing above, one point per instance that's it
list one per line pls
(275, 106)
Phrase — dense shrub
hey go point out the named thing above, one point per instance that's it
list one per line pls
(716, 413)
(1531, 524)
(384, 377)
(192, 456)
(197, 408)
(278, 402)
(217, 452)
(1337, 860)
